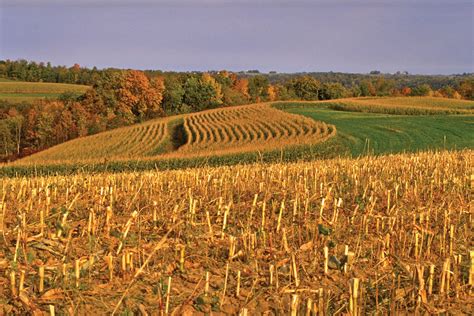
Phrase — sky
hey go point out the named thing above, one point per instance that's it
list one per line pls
(418, 36)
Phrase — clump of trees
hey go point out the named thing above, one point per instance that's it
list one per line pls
(121, 97)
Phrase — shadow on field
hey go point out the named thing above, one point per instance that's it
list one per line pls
(178, 135)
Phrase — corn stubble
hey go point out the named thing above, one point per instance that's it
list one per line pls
(371, 235)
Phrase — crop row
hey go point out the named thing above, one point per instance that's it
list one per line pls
(251, 127)
(129, 142)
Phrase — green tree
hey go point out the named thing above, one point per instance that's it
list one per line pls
(333, 91)
(466, 89)
(366, 89)
(258, 88)
(421, 90)
(6, 138)
(306, 88)
(199, 95)
(173, 95)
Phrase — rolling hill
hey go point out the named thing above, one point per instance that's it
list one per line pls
(20, 91)
(239, 129)
(284, 130)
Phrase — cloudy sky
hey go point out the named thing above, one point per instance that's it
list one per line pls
(419, 36)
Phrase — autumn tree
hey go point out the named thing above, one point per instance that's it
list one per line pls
(138, 96)
(258, 88)
(332, 90)
(202, 93)
(241, 86)
(466, 89)
(15, 122)
(272, 93)
(406, 91)
(305, 88)
(216, 97)
(367, 89)
(422, 90)
(384, 87)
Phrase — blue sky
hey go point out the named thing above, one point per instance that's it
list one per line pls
(419, 36)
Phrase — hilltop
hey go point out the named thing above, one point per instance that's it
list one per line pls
(20, 91)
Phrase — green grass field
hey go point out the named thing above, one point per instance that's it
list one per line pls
(401, 105)
(359, 133)
(18, 91)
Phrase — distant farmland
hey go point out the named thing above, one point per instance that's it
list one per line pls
(402, 105)
(221, 131)
(19, 91)
(283, 131)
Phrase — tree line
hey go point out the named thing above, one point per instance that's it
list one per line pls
(120, 97)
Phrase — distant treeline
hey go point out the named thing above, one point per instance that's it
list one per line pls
(120, 97)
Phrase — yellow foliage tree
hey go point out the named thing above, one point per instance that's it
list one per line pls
(272, 93)
(209, 80)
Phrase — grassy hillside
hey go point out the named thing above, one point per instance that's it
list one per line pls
(359, 133)
(402, 105)
(18, 91)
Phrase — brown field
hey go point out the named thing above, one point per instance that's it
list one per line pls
(385, 235)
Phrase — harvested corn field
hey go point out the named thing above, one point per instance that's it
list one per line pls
(385, 235)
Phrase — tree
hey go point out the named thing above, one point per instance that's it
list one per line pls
(306, 88)
(406, 91)
(421, 90)
(216, 98)
(367, 89)
(173, 95)
(272, 93)
(137, 96)
(384, 87)
(258, 88)
(16, 121)
(333, 91)
(6, 138)
(65, 128)
(466, 89)
(242, 86)
(199, 95)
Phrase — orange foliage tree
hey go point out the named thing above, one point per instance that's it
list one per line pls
(140, 97)
(242, 86)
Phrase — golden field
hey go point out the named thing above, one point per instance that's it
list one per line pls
(221, 131)
(20, 91)
(390, 234)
